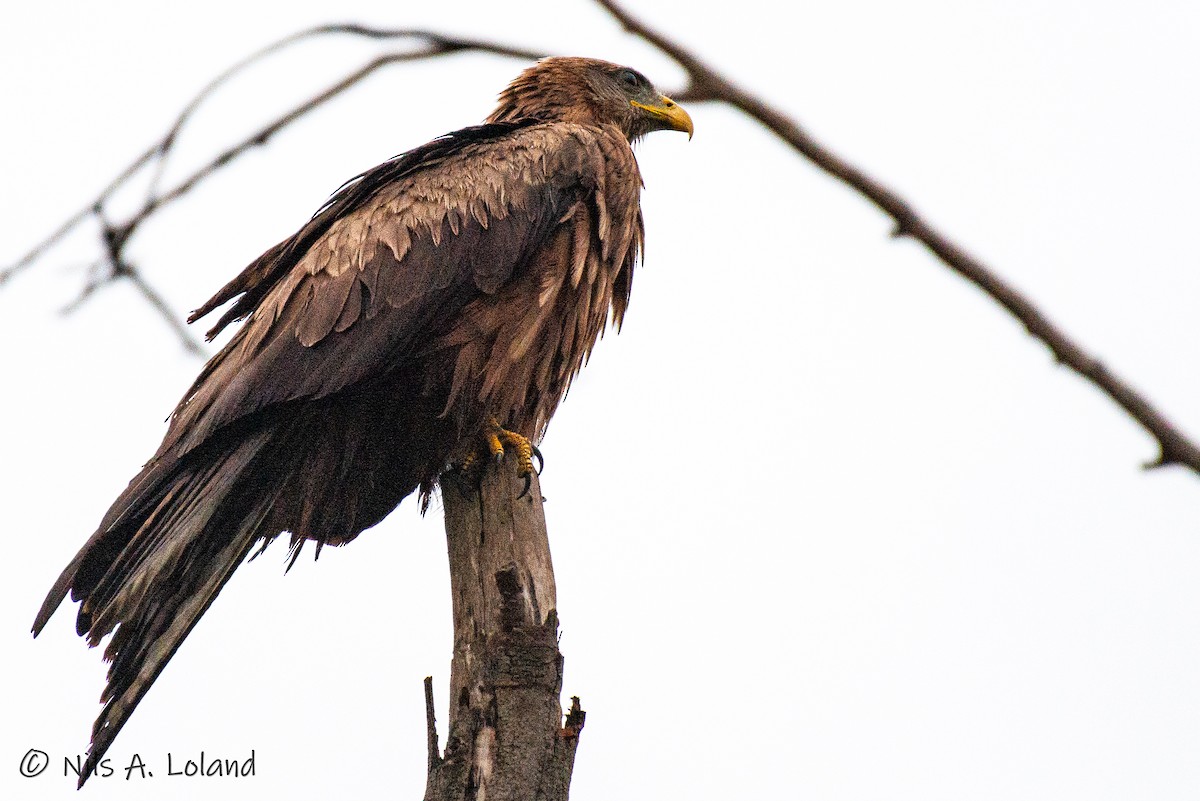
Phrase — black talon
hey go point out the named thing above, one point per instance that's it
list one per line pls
(525, 491)
(538, 455)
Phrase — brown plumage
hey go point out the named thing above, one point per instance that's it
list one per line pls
(464, 280)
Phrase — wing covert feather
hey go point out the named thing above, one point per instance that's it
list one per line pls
(391, 273)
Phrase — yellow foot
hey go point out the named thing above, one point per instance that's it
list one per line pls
(496, 440)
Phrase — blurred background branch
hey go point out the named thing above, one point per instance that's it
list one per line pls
(703, 83)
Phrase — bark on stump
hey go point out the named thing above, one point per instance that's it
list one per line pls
(507, 739)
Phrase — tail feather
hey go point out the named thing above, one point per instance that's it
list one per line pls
(58, 592)
(159, 629)
(154, 551)
(197, 524)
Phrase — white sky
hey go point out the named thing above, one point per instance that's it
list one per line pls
(826, 523)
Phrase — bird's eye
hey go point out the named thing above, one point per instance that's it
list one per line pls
(630, 78)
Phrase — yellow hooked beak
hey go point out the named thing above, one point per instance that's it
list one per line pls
(670, 113)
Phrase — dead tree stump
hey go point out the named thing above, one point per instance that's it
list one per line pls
(507, 740)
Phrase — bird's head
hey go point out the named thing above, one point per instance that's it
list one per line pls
(590, 91)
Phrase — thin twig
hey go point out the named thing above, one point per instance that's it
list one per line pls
(706, 84)
(94, 282)
(119, 268)
(165, 311)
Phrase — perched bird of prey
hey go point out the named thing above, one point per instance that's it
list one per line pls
(438, 306)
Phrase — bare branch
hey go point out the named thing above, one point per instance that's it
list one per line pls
(436, 44)
(706, 84)
(432, 44)
(92, 209)
(119, 267)
(160, 305)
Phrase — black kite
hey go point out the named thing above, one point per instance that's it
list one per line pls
(448, 292)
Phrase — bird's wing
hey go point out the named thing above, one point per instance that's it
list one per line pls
(394, 256)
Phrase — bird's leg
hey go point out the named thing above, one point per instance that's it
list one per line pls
(497, 438)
